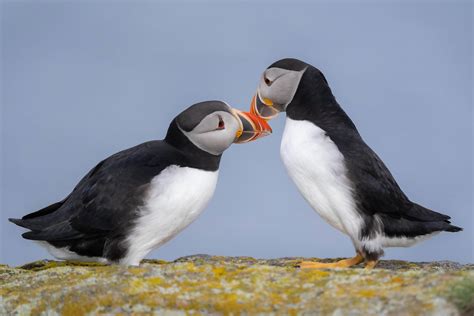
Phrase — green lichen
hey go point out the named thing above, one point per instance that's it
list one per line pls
(462, 295)
(233, 285)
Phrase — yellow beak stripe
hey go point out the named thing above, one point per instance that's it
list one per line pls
(238, 133)
(267, 102)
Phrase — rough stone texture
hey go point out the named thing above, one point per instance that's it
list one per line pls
(238, 285)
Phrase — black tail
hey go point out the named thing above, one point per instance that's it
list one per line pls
(19, 222)
(435, 219)
(36, 220)
(453, 229)
(423, 214)
(45, 211)
(417, 221)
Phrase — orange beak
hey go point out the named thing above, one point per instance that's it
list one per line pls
(252, 127)
(263, 108)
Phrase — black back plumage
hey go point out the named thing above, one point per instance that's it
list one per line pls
(376, 191)
(96, 217)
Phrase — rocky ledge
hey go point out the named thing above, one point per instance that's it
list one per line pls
(233, 285)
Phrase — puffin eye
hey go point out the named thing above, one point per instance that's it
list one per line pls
(221, 124)
(268, 82)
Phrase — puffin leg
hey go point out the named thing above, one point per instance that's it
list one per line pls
(371, 257)
(345, 263)
(370, 264)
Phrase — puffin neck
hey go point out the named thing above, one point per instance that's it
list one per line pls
(315, 102)
(196, 157)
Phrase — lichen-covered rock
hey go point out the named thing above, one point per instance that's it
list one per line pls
(236, 285)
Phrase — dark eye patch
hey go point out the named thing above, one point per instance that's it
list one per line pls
(221, 124)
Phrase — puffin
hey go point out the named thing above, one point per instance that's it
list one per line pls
(138, 199)
(336, 172)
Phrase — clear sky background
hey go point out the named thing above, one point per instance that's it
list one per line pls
(83, 80)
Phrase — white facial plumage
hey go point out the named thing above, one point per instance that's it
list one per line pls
(215, 133)
(279, 85)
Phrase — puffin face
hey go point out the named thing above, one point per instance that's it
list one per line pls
(277, 87)
(213, 126)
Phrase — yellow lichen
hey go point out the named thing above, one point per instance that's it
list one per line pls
(396, 280)
(219, 285)
(218, 271)
(367, 293)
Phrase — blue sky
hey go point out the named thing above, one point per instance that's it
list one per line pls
(83, 80)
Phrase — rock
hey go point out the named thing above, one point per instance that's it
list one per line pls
(205, 284)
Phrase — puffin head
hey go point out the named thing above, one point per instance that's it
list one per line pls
(212, 126)
(284, 83)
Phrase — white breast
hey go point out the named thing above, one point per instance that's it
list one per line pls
(317, 167)
(175, 199)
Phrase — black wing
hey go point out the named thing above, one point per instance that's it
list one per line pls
(376, 189)
(104, 201)
(380, 194)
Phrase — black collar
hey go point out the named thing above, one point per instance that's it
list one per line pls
(194, 156)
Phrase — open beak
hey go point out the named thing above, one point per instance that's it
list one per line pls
(251, 128)
(263, 108)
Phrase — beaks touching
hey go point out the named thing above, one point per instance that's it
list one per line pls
(252, 127)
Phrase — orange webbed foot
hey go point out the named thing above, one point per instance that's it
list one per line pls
(345, 263)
